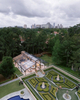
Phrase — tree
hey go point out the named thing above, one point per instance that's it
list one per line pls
(7, 66)
(75, 45)
(56, 51)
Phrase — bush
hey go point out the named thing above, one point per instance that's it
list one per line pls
(53, 91)
(49, 76)
(79, 91)
(40, 79)
(22, 92)
(47, 96)
(33, 82)
(63, 85)
(69, 83)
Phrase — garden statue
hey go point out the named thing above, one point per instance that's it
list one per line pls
(43, 85)
(57, 78)
(66, 96)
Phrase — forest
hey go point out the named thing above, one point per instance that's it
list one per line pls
(64, 46)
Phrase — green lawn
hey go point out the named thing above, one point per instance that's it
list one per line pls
(9, 88)
(17, 71)
(67, 69)
(47, 58)
(71, 93)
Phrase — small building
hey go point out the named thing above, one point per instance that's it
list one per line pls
(28, 63)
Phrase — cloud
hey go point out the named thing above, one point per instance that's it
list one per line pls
(20, 12)
(23, 8)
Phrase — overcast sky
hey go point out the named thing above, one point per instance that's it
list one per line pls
(20, 12)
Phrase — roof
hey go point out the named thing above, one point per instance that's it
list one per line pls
(27, 64)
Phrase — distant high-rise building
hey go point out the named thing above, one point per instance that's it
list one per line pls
(48, 25)
(38, 26)
(33, 26)
(25, 26)
(61, 26)
(58, 26)
(53, 25)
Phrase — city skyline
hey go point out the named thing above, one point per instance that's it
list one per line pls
(20, 12)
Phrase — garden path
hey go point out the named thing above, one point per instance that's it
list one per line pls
(9, 82)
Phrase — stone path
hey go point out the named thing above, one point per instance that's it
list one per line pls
(9, 82)
(40, 74)
(65, 73)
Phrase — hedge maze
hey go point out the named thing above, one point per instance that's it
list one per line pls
(33, 82)
(46, 93)
(47, 96)
(50, 90)
(64, 83)
(40, 79)
(53, 91)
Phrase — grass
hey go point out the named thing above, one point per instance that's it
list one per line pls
(67, 69)
(47, 59)
(9, 88)
(62, 91)
(17, 71)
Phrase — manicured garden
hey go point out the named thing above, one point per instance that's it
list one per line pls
(9, 88)
(67, 69)
(53, 88)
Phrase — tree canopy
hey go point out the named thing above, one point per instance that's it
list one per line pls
(7, 67)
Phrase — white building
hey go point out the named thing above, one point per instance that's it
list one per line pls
(25, 26)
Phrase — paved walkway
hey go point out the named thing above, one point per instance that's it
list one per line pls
(9, 82)
(65, 73)
(26, 96)
(40, 74)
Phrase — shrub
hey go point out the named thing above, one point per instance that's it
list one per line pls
(79, 91)
(46, 96)
(33, 82)
(40, 79)
(22, 92)
(69, 83)
(49, 76)
(53, 91)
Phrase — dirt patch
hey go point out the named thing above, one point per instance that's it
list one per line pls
(2, 78)
(43, 53)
